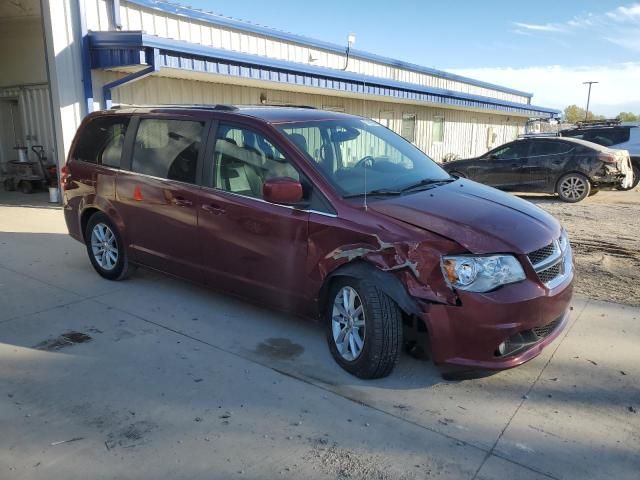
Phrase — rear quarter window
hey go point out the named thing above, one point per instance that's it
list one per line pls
(101, 141)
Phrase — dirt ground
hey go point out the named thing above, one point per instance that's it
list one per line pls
(605, 234)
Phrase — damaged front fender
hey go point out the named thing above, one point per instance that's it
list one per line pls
(407, 271)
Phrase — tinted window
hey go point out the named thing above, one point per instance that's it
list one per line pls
(549, 148)
(244, 159)
(101, 141)
(512, 151)
(168, 149)
(601, 136)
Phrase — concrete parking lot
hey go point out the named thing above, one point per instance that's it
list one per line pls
(166, 380)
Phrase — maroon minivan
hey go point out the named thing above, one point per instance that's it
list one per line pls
(324, 215)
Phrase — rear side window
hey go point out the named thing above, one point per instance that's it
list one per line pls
(549, 148)
(101, 141)
(602, 136)
(168, 149)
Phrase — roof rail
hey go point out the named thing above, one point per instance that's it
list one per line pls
(599, 123)
(541, 134)
(222, 107)
(282, 105)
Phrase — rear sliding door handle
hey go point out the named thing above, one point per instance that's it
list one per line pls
(215, 209)
(181, 202)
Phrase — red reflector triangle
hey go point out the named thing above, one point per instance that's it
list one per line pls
(137, 194)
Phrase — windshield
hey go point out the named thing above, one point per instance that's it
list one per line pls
(348, 150)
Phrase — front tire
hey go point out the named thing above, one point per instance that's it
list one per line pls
(364, 328)
(573, 187)
(106, 248)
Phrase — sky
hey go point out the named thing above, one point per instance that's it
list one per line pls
(545, 47)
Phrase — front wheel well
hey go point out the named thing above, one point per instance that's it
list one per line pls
(385, 281)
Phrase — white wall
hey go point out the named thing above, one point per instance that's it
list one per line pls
(465, 133)
(182, 28)
(63, 52)
(21, 52)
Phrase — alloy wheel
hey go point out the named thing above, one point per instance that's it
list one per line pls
(104, 246)
(573, 187)
(348, 323)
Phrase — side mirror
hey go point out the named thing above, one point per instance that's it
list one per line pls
(493, 156)
(284, 190)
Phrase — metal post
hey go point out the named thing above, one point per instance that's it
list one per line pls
(586, 113)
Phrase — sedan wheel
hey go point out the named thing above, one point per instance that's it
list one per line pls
(573, 187)
(348, 323)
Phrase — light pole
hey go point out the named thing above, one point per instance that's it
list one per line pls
(586, 113)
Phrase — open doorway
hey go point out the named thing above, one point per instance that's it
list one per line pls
(26, 126)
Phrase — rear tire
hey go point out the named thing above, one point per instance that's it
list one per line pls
(106, 249)
(365, 338)
(573, 187)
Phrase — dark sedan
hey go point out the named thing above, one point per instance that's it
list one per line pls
(572, 168)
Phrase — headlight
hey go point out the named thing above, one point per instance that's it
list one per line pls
(481, 273)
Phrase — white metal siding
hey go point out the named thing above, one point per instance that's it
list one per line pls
(35, 113)
(153, 22)
(465, 133)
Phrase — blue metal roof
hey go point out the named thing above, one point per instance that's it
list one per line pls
(112, 49)
(222, 21)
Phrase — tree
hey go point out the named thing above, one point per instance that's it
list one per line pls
(628, 117)
(574, 113)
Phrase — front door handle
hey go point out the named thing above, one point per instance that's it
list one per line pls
(181, 202)
(214, 209)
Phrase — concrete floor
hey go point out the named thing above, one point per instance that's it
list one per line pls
(179, 382)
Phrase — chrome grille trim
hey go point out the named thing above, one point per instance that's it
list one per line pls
(553, 265)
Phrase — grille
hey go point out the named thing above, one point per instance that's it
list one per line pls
(550, 273)
(546, 330)
(541, 254)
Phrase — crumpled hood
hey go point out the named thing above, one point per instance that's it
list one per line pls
(480, 218)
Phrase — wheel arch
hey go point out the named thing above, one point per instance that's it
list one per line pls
(389, 283)
(89, 210)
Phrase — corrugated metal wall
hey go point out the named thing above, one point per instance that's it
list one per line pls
(35, 112)
(153, 22)
(465, 133)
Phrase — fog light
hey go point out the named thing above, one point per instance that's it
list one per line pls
(502, 348)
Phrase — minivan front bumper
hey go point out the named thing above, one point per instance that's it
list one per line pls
(500, 329)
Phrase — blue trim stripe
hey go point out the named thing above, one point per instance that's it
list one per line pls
(235, 24)
(109, 48)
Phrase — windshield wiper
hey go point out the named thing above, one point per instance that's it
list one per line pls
(374, 193)
(427, 182)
